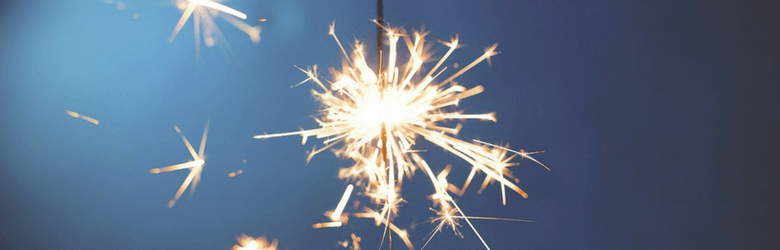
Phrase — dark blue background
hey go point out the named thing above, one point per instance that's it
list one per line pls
(659, 120)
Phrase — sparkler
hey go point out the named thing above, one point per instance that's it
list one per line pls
(367, 113)
(195, 166)
(204, 12)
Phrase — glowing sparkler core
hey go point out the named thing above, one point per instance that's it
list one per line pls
(365, 113)
(195, 166)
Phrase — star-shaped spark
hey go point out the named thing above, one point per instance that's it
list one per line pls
(204, 12)
(195, 166)
(374, 118)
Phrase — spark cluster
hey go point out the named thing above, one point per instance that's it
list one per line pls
(375, 118)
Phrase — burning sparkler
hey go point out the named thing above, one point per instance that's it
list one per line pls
(195, 166)
(375, 119)
(204, 12)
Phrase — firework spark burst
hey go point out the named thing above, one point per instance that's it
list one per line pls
(375, 120)
(204, 12)
(195, 166)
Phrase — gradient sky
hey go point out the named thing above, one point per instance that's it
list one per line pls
(659, 120)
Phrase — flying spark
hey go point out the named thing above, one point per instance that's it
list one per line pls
(83, 117)
(195, 166)
(236, 173)
(375, 118)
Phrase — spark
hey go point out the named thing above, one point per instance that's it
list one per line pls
(327, 224)
(83, 117)
(195, 166)
(379, 218)
(204, 12)
(336, 216)
(355, 243)
(260, 243)
(342, 203)
(449, 217)
(236, 173)
(375, 119)
(522, 153)
(450, 212)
